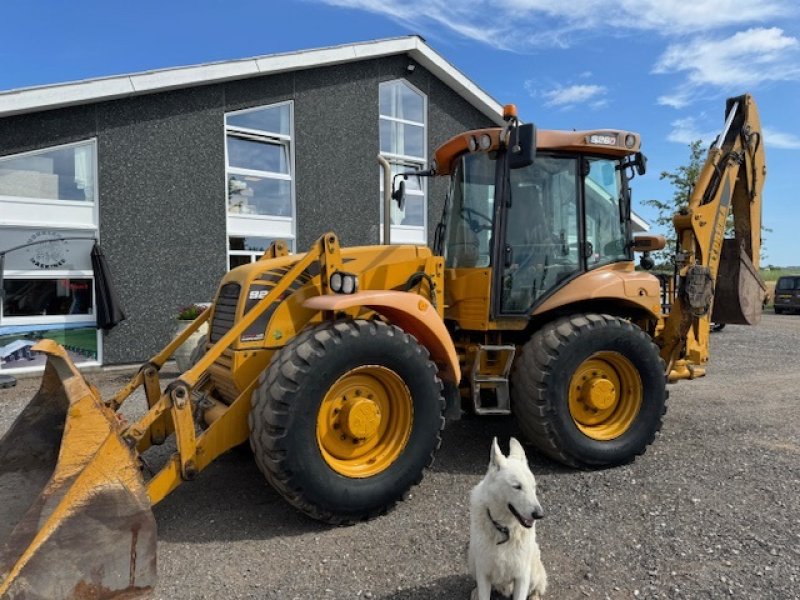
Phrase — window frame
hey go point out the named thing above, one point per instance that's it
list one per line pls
(621, 201)
(50, 319)
(255, 225)
(18, 219)
(406, 234)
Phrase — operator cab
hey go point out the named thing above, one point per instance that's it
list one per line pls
(538, 226)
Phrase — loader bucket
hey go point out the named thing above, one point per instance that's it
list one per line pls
(740, 290)
(76, 521)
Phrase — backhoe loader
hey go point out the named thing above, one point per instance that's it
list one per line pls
(339, 365)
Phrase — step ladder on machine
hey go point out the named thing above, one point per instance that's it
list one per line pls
(491, 366)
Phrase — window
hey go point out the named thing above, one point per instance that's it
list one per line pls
(65, 173)
(403, 141)
(259, 180)
(542, 231)
(606, 222)
(33, 297)
(48, 198)
(243, 250)
(469, 228)
(62, 178)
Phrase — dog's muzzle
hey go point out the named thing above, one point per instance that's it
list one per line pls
(527, 522)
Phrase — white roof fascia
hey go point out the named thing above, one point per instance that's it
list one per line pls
(454, 78)
(639, 224)
(60, 95)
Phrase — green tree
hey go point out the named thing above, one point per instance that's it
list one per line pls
(682, 179)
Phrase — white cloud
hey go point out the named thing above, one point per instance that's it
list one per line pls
(686, 131)
(571, 95)
(522, 25)
(736, 63)
(704, 60)
(778, 139)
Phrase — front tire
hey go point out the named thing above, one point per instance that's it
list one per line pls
(346, 418)
(589, 390)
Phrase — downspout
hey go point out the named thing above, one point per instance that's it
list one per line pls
(387, 199)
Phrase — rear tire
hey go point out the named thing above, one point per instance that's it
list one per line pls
(778, 311)
(294, 415)
(620, 409)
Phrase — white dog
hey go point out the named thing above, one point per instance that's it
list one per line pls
(503, 553)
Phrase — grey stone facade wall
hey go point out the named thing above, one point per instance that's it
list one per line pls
(161, 171)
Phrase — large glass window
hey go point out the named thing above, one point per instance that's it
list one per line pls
(469, 230)
(47, 297)
(64, 173)
(403, 134)
(606, 222)
(48, 198)
(260, 179)
(542, 231)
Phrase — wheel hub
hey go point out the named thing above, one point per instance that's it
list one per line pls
(599, 394)
(605, 395)
(361, 418)
(364, 421)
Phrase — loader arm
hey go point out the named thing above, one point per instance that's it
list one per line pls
(717, 277)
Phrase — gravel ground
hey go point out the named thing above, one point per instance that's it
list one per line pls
(712, 510)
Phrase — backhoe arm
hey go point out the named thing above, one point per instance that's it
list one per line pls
(717, 278)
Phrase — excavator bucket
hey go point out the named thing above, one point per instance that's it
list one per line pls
(76, 519)
(740, 290)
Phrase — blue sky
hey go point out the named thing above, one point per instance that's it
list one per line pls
(659, 67)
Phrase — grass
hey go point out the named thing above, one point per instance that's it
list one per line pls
(774, 274)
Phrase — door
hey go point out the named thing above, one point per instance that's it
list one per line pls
(542, 232)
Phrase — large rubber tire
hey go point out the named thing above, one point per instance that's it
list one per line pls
(778, 311)
(541, 380)
(287, 402)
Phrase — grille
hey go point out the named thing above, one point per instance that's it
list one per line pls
(224, 311)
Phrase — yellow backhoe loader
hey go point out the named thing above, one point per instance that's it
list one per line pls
(339, 365)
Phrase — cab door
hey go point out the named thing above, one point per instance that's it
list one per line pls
(542, 249)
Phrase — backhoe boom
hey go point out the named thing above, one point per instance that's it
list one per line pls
(717, 278)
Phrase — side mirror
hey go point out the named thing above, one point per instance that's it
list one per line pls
(649, 243)
(522, 146)
(399, 195)
(641, 163)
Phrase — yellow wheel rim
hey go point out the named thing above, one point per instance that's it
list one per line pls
(364, 421)
(605, 395)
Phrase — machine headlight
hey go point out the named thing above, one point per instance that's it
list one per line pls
(349, 284)
(603, 139)
(473, 143)
(336, 282)
(486, 141)
(344, 283)
(630, 141)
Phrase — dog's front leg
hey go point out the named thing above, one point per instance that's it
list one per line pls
(522, 587)
(484, 589)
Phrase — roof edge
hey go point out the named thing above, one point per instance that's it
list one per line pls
(62, 95)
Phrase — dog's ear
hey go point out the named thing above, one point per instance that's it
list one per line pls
(496, 458)
(516, 450)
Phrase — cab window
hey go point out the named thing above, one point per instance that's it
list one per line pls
(469, 231)
(542, 231)
(606, 222)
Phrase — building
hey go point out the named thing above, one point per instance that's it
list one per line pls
(183, 173)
